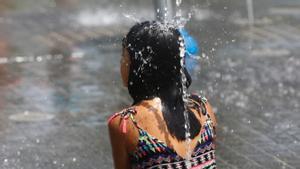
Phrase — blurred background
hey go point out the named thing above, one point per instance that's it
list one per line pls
(59, 79)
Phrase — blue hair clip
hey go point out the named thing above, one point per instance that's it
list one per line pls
(192, 49)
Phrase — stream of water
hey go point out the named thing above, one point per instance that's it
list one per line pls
(180, 23)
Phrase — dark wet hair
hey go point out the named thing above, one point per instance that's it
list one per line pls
(154, 50)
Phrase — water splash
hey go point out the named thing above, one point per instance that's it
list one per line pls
(179, 18)
(30, 58)
(185, 99)
(39, 58)
(178, 3)
(180, 21)
(131, 17)
(99, 17)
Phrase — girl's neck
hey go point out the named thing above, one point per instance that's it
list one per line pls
(155, 103)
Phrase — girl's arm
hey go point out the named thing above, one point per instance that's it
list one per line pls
(119, 150)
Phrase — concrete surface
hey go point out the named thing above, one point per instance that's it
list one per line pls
(54, 102)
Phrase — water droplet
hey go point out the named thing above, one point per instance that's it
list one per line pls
(39, 59)
(37, 141)
(178, 2)
(54, 162)
(20, 59)
(74, 159)
(189, 15)
(5, 160)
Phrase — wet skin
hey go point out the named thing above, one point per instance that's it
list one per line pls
(149, 118)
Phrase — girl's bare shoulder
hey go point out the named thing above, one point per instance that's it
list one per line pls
(122, 123)
(209, 108)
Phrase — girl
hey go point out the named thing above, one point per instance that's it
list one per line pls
(152, 133)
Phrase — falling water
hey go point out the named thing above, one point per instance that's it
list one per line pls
(185, 100)
(179, 18)
(178, 3)
(250, 12)
(131, 17)
(180, 23)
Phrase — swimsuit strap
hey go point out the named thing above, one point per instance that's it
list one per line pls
(125, 115)
(200, 104)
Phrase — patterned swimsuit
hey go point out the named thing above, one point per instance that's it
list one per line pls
(153, 153)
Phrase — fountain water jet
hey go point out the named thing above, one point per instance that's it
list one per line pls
(250, 11)
(163, 9)
(185, 99)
